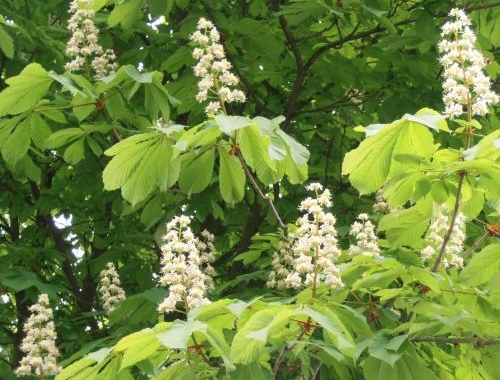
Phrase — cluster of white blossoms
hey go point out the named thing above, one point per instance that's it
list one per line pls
(217, 82)
(282, 260)
(110, 288)
(435, 236)
(185, 265)
(39, 344)
(83, 46)
(363, 231)
(465, 82)
(381, 205)
(313, 249)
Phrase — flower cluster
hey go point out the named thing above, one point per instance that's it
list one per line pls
(213, 68)
(282, 261)
(313, 249)
(363, 231)
(435, 236)
(464, 80)
(185, 265)
(381, 205)
(83, 45)
(110, 289)
(39, 344)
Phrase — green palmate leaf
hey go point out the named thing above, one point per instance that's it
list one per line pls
(298, 152)
(255, 150)
(19, 279)
(157, 99)
(136, 347)
(409, 367)
(40, 130)
(63, 137)
(387, 348)
(75, 152)
(177, 371)
(430, 118)
(488, 147)
(25, 90)
(295, 173)
(333, 325)
(216, 339)
(74, 369)
(141, 164)
(17, 144)
(6, 43)
(179, 333)
(407, 226)
(250, 340)
(401, 187)
(139, 308)
(229, 124)
(197, 174)
(375, 156)
(126, 13)
(277, 147)
(439, 191)
(251, 371)
(483, 266)
(231, 176)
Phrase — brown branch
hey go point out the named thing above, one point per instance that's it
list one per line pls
(478, 342)
(299, 63)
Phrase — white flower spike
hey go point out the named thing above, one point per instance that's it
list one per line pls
(185, 266)
(110, 288)
(39, 344)
(83, 45)
(309, 259)
(216, 80)
(465, 82)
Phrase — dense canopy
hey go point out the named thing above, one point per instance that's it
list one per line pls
(247, 189)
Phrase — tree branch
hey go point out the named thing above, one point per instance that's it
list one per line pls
(478, 342)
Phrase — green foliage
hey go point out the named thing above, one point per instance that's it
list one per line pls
(68, 142)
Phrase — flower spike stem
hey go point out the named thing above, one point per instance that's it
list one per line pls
(446, 237)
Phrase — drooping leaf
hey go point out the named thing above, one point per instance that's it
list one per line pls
(231, 177)
(6, 43)
(196, 176)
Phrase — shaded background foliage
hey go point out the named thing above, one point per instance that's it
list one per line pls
(327, 66)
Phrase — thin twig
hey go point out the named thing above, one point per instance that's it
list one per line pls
(476, 244)
(316, 372)
(447, 236)
(261, 194)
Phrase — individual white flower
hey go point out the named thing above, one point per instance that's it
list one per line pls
(435, 236)
(465, 82)
(39, 344)
(110, 289)
(186, 269)
(217, 81)
(307, 258)
(83, 46)
(363, 231)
